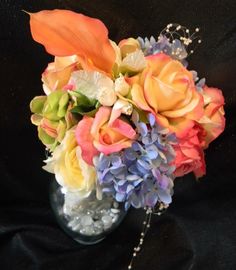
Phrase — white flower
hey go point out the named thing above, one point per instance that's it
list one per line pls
(94, 85)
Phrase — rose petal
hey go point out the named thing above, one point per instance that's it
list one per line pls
(85, 140)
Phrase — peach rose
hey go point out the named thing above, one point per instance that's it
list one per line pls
(213, 120)
(97, 134)
(166, 89)
(189, 153)
(58, 73)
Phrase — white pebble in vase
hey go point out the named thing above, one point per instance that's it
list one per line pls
(86, 221)
(107, 221)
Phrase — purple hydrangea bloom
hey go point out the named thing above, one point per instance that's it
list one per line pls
(140, 175)
(151, 46)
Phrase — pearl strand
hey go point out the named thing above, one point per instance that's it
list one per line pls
(146, 225)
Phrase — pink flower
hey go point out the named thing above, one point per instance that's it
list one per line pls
(189, 153)
(97, 134)
(213, 120)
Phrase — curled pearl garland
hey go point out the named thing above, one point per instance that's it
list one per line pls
(176, 31)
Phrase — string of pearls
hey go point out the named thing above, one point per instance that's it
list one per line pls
(146, 225)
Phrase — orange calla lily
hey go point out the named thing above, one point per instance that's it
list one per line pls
(65, 33)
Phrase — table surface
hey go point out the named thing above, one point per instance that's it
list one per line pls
(199, 229)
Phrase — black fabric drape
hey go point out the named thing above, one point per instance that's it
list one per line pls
(198, 232)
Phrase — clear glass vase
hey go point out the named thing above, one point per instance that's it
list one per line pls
(87, 221)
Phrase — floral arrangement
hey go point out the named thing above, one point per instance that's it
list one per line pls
(123, 119)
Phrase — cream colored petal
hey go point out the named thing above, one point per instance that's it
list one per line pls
(91, 83)
(134, 62)
(121, 86)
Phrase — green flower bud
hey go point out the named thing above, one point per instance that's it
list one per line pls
(56, 105)
(37, 104)
(52, 116)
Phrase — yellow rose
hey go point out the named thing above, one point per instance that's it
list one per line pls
(70, 170)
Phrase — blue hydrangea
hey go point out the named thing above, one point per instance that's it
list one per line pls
(140, 175)
(176, 49)
(198, 82)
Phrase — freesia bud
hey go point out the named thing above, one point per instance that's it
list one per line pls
(121, 86)
(106, 96)
(124, 106)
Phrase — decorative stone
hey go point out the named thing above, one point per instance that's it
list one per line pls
(88, 230)
(90, 216)
(98, 224)
(107, 220)
(86, 221)
(82, 231)
(115, 204)
(77, 227)
(90, 212)
(72, 223)
(98, 230)
(111, 214)
(115, 218)
(115, 211)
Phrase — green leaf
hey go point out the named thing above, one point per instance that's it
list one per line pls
(85, 106)
(81, 99)
(98, 105)
(85, 111)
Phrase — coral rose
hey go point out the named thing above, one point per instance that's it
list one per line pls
(213, 120)
(166, 89)
(97, 134)
(70, 170)
(189, 153)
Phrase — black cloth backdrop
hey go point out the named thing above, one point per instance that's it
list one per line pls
(199, 229)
